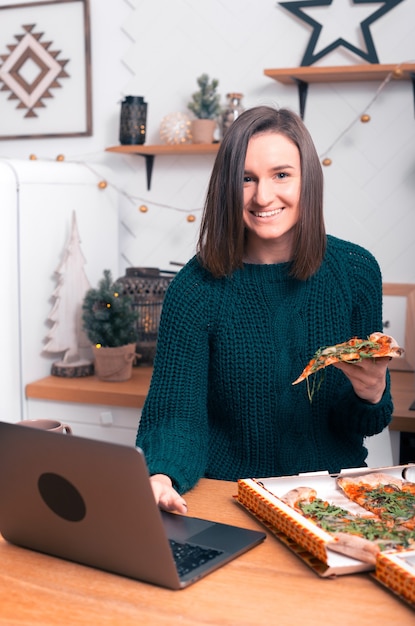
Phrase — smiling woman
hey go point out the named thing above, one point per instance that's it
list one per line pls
(266, 289)
(223, 237)
(272, 186)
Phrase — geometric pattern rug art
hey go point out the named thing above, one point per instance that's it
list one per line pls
(31, 70)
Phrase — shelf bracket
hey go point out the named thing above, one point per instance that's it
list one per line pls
(149, 167)
(302, 94)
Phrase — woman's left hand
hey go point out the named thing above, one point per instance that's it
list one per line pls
(368, 377)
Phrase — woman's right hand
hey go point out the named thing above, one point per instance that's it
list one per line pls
(166, 496)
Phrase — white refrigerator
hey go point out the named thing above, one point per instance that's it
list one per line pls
(38, 200)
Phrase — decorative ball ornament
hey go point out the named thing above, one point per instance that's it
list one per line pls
(397, 72)
(33, 157)
(191, 218)
(143, 208)
(326, 162)
(365, 118)
(175, 129)
(102, 184)
(60, 157)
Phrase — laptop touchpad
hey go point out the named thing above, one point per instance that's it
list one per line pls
(181, 527)
(221, 537)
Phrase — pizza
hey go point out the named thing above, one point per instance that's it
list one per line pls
(351, 351)
(389, 498)
(388, 522)
(375, 346)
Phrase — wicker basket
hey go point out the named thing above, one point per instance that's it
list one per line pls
(114, 364)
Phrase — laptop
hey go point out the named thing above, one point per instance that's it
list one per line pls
(91, 502)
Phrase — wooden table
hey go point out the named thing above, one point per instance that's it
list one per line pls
(267, 585)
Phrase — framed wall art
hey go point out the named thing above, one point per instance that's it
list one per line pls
(399, 321)
(45, 70)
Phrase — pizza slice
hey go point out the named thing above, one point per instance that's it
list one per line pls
(356, 547)
(362, 537)
(390, 499)
(298, 496)
(351, 351)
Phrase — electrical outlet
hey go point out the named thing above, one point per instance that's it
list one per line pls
(106, 418)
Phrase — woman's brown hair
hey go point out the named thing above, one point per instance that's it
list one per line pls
(222, 233)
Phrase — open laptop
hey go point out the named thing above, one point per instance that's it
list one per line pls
(91, 502)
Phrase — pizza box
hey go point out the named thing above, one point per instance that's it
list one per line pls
(262, 498)
(396, 571)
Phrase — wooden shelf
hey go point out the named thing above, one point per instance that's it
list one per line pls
(91, 390)
(150, 151)
(167, 149)
(344, 73)
(299, 76)
(302, 76)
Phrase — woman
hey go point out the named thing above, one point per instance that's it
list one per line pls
(240, 321)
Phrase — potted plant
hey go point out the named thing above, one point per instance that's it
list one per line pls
(205, 105)
(109, 321)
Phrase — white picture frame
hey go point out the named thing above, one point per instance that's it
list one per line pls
(399, 321)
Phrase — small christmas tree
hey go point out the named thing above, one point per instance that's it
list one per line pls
(109, 318)
(205, 103)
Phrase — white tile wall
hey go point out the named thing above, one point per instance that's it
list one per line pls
(370, 186)
(158, 48)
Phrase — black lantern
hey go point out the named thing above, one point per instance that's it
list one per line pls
(147, 286)
(133, 121)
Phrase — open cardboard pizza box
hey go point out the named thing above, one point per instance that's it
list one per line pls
(261, 497)
(396, 571)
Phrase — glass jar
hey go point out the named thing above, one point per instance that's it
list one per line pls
(232, 110)
(133, 121)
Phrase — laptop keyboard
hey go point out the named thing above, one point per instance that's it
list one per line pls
(188, 556)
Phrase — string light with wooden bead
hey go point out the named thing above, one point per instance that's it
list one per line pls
(364, 117)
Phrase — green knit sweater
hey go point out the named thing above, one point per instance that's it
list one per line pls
(221, 403)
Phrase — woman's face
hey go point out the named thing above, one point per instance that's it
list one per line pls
(272, 185)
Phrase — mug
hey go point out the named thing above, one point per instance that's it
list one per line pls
(51, 425)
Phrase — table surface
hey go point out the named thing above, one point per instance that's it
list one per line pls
(267, 585)
(133, 392)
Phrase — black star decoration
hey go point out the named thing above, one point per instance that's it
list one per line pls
(368, 55)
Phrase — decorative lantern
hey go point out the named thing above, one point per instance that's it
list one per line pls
(147, 286)
(133, 121)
